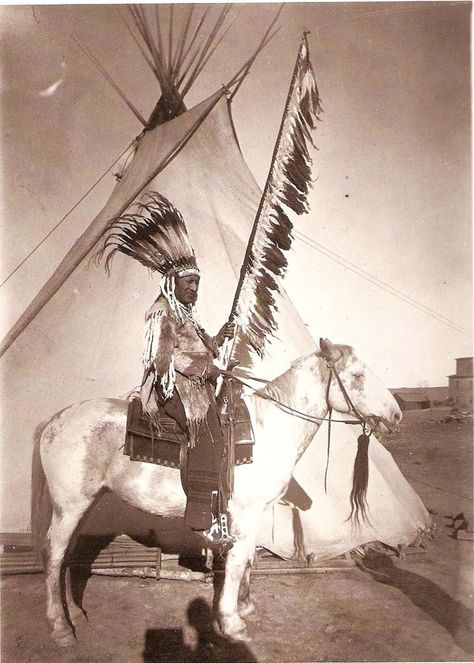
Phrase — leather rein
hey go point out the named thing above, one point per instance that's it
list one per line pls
(361, 420)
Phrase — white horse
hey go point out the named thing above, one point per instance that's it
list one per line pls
(81, 454)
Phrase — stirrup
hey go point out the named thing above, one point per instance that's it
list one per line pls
(218, 533)
(223, 522)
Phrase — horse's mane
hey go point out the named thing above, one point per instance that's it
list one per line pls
(282, 388)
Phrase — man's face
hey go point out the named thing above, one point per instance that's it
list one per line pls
(186, 289)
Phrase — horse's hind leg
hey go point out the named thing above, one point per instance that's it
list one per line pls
(59, 535)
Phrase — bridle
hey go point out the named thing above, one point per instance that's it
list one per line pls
(360, 420)
(365, 422)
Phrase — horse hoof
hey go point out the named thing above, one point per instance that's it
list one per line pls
(64, 639)
(241, 636)
(234, 628)
(247, 609)
(78, 616)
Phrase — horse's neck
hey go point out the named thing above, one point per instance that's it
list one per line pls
(303, 386)
(302, 389)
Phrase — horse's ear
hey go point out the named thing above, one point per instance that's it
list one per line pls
(329, 350)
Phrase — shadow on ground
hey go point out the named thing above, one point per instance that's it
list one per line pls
(427, 595)
(174, 646)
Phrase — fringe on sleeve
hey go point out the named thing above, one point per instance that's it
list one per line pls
(158, 350)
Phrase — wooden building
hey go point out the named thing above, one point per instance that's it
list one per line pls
(410, 399)
(460, 384)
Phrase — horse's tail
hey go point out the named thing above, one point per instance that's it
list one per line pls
(360, 480)
(41, 505)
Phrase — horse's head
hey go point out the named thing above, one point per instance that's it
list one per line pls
(355, 389)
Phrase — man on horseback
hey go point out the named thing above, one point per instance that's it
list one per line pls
(179, 377)
(179, 371)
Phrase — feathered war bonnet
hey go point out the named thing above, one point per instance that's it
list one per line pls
(155, 235)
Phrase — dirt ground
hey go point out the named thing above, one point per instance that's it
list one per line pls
(418, 610)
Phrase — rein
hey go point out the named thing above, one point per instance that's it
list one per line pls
(304, 415)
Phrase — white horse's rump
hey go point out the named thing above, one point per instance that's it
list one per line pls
(81, 454)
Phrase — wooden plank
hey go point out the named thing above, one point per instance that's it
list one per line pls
(464, 535)
(15, 539)
(301, 570)
(149, 572)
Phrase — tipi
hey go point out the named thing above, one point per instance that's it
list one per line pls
(81, 337)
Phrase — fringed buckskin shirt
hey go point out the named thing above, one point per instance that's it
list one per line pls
(178, 354)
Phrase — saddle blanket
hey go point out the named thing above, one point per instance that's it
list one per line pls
(166, 443)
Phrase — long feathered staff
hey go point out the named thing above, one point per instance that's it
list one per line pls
(286, 188)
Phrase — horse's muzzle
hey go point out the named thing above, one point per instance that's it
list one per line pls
(387, 425)
(394, 424)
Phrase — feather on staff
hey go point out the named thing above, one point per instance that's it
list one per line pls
(287, 188)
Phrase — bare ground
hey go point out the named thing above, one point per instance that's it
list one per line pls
(418, 610)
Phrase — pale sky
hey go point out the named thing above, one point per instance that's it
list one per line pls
(393, 189)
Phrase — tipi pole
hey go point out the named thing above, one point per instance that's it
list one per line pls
(216, 45)
(177, 60)
(263, 42)
(206, 47)
(170, 40)
(194, 54)
(140, 47)
(159, 36)
(110, 80)
(160, 61)
(246, 66)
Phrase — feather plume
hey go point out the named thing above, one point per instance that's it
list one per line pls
(155, 235)
(286, 189)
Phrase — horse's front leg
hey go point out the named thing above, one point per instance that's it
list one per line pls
(245, 529)
(76, 613)
(245, 604)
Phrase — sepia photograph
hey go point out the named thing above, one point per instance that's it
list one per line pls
(237, 332)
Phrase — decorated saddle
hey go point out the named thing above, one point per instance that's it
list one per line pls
(163, 442)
